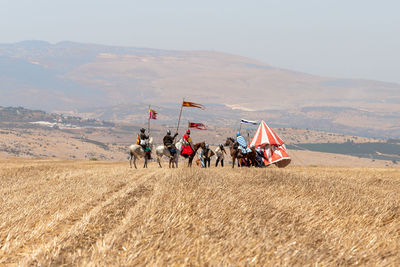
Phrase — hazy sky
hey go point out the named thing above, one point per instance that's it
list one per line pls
(340, 38)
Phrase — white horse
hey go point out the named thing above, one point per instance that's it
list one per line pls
(163, 151)
(136, 151)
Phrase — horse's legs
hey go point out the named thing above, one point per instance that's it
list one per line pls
(145, 161)
(190, 162)
(134, 161)
(233, 162)
(172, 161)
(159, 160)
(130, 161)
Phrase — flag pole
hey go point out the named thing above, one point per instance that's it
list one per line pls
(180, 114)
(148, 122)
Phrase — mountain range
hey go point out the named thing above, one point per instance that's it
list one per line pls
(117, 83)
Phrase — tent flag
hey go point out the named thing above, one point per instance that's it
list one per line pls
(249, 122)
(153, 114)
(195, 125)
(272, 145)
(192, 104)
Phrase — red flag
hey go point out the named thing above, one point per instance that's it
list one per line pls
(195, 125)
(153, 114)
(192, 104)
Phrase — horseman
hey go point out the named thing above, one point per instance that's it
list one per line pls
(187, 148)
(144, 142)
(242, 144)
(168, 141)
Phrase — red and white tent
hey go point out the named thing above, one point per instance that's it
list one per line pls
(273, 146)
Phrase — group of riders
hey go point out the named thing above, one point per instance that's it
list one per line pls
(205, 153)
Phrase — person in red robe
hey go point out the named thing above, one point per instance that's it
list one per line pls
(187, 148)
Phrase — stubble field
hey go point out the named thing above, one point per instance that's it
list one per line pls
(56, 212)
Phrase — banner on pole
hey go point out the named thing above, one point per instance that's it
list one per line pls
(248, 122)
(192, 105)
(195, 125)
(153, 114)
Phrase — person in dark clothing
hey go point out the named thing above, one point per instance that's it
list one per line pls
(144, 138)
(168, 141)
(144, 142)
(260, 157)
(205, 156)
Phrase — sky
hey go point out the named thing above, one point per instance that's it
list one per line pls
(336, 38)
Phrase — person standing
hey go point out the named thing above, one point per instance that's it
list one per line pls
(220, 151)
(260, 157)
(205, 156)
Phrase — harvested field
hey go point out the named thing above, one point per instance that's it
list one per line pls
(56, 212)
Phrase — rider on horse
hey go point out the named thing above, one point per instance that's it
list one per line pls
(242, 143)
(144, 142)
(169, 142)
(187, 148)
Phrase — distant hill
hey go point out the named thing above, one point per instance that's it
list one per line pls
(346, 120)
(19, 117)
(82, 78)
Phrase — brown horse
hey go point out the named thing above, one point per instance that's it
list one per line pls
(195, 148)
(248, 158)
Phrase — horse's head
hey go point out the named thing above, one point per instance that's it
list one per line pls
(203, 145)
(179, 144)
(200, 145)
(229, 141)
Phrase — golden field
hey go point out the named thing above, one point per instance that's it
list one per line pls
(56, 212)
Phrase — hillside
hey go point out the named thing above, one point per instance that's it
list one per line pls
(97, 213)
(95, 75)
(339, 120)
(78, 78)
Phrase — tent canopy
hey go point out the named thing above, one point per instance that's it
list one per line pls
(273, 147)
(265, 136)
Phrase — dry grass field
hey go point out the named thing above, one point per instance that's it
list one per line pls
(60, 212)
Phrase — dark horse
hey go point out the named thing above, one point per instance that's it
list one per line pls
(195, 148)
(249, 158)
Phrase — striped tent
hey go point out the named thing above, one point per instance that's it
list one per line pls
(274, 148)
